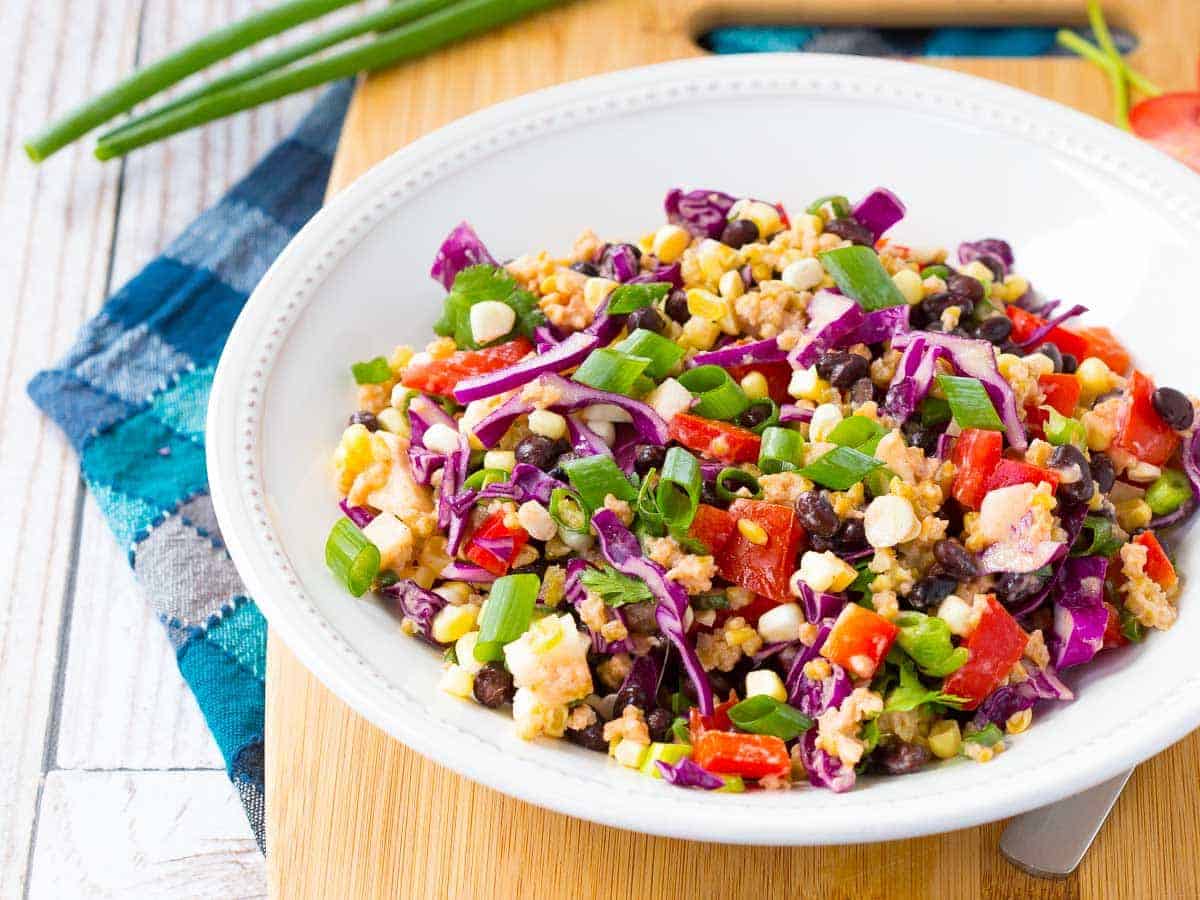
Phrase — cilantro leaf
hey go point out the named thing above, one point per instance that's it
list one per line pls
(911, 693)
(614, 588)
(475, 284)
(988, 736)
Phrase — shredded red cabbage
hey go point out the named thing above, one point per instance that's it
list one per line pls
(818, 605)
(468, 572)
(411, 601)
(879, 325)
(576, 594)
(1071, 518)
(790, 412)
(422, 414)
(824, 770)
(879, 211)
(764, 351)
(461, 248)
(620, 262)
(570, 352)
(359, 515)
(1038, 335)
(703, 213)
(584, 441)
(913, 378)
(687, 774)
(831, 317)
(670, 274)
(994, 253)
(1080, 616)
(1042, 684)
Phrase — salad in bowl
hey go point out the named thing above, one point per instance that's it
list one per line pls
(763, 499)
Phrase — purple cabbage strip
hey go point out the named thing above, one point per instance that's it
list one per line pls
(824, 770)
(411, 601)
(1071, 518)
(830, 318)
(584, 441)
(764, 351)
(546, 336)
(913, 378)
(623, 552)
(525, 483)
(604, 326)
(819, 606)
(879, 211)
(461, 248)
(671, 274)
(570, 352)
(571, 397)
(576, 593)
(795, 674)
(422, 414)
(687, 774)
(359, 515)
(1036, 337)
(468, 572)
(994, 253)
(1080, 616)
(624, 448)
(619, 262)
(644, 674)
(1042, 684)
(703, 213)
(880, 325)
(790, 412)
(776, 648)
(942, 450)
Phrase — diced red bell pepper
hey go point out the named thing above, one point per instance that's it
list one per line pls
(995, 646)
(1112, 629)
(762, 568)
(718, 440)
(1140, 429)
(976, 453)
(1158, 564)
(1062, 392)
(494, 529)
(859, 640)
(1012, 471)
(441, 376)
(698, 723)
(1104, 345)
(1026, 323)
(778, 375)
(712, 527)
(748, 755)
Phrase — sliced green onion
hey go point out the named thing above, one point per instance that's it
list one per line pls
(679, 489)
(772, 414)
(680, 730)
(936, 271)
(969, 403)
(1060, 429)
(506, 614)
(607, 369)
(841, 468)
(988, 736)
(481, 479)
(781, 450)
(761, 714)
(1168, 492)
(1104, 542)
(567, 511)
(855, 431)
(351, 557)
(663, 354)
(595, 477)
(878, 481)
(373, 371)
(667, 753)
(738, 478)
(718, 396)
(934, 411)
(859, 273)
(839, 203)
(649, 518)
(1131, 628)
(628, 297)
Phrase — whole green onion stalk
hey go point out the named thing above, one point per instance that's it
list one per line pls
(148, 81)
(452, 23)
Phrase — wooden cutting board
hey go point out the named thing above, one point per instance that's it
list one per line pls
(353, 813)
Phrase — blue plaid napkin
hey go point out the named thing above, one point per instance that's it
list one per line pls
(132, 395)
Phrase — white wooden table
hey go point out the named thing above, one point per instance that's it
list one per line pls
(110, 784)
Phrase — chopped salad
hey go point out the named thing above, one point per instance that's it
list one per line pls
(761, 499)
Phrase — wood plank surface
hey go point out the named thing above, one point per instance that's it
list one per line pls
(352, 813)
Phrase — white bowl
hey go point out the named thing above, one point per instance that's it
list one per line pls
(1094, 217)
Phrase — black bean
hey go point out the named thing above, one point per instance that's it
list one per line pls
(1070, 364)
(935, 304)
(862, 391)
(1174, 408)
(739, 232)
(965, 286)
(851, 536)
(816, 514)
(647, 457)
(647, 317)
(919, 435)
(558, 471)
(955, 560)
(659, 723)
(1076, 485)
(1103, 472)
(754, 415)
(1053, 354)
(631, 695)
(848, 228)
(1013, 589)
(709, 495)
(842, 368)
(819, 544)
(590, 738)
(640, 618)
(538, 450)
(586, 268)
(995, 329)
(897, 757)
(930, 591)
(494, 685)
(676, 306)
(365, 419)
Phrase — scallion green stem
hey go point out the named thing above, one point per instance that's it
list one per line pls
(595, 477)
(148, 81)
(782, 450)
(351, 557)
(663, 354)
(443, 27)
(1114, 71)
(398, 12)
(506, 614)
(679, 489)
(609, 369)
(718, 396)
(1104, 38)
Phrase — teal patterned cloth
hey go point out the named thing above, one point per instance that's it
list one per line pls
(132, 395)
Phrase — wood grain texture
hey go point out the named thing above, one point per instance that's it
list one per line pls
(352, 813)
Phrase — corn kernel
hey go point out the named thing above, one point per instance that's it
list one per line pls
(1015, 287)
(504, 460)
(1018, 721)
(464, 651)
(731, 285)
(945, 739)
(1134, 513)
(764, 215)
(781, 623)
(1095, 378)
(752, 531)
(456, 593)
(908, 283)
(595, 290)
(735, 637)
(755, 386)
(400, 359)
(452, 622)
(699, 333)
(548, 424)
(441, 348)
(825, 418)
(669, 243)
(391, 419)
(979, 272)
(706, 305)
(809, 223)
(803, 274)
(458, 682)
(806, 384)
(715, 259)
(766, 683)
